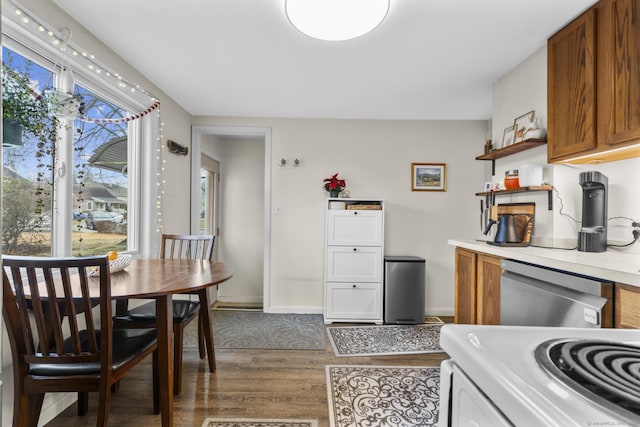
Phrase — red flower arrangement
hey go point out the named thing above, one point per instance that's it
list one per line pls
(334, 185)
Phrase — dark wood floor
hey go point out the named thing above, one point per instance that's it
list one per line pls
(248, 383)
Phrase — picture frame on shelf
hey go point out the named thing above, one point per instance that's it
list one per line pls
(521, 123)
(428, 177)
(508, 136)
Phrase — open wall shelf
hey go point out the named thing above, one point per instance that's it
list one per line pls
(547, 188)
(509, 150)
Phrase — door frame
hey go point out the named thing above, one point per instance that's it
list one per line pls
(197, 132)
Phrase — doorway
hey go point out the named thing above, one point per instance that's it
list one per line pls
(209, 197)
(242, 214)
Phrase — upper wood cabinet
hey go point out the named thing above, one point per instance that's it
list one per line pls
(571, 85)
(594, 85)
(619, 72)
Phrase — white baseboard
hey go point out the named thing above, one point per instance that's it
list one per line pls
(439, 311)
(294, 310)
(54, 404)
(248, 300)
(431, 311)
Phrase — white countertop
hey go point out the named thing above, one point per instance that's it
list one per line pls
(612, 265)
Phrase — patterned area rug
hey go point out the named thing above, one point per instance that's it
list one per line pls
(245, 422)
(391, 396)
(384, 340)
(269, 331)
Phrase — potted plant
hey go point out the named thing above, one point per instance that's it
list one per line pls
(334, 185)
(28, 113)
(25, 110)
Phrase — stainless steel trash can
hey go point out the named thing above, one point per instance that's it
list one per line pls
(404, 289)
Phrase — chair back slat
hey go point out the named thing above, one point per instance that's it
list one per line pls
(71, 314)
(88, 314)
(24, 334)
(187, 246)
(56, 296)
(47, 313)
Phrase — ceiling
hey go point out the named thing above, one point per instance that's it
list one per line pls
(429, 59)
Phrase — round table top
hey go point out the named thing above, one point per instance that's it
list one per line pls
(156, 277)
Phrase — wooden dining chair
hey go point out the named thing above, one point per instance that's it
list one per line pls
(59, 323)
(175, 246)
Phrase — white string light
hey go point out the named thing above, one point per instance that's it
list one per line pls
(160, 163)
(60, 39)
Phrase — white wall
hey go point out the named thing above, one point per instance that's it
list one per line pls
(375, 159)
(525, 89)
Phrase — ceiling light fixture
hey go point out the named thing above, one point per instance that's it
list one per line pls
(336, 20)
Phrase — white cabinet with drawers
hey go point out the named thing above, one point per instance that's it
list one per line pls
(354, 248)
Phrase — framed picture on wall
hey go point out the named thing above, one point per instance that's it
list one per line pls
(428, 177)
(508, 136)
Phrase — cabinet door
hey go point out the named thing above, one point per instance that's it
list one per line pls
(354, 264)
(354, 301)
(627, 306)
(465, 287)
(354, 228)
(571, 89)
(619, 72)
(488, 291)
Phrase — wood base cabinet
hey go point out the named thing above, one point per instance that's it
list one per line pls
(627, 312)
(477, 288)
(354, 261)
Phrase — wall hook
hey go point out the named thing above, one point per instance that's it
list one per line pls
(176, 148)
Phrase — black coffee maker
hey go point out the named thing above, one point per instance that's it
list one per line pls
(592, 237)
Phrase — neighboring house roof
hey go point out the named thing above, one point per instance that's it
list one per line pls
(100, 192)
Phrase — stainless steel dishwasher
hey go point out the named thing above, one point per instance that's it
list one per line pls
(532, 295)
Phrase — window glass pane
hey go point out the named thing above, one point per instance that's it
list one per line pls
(28, 157)
(100, 183)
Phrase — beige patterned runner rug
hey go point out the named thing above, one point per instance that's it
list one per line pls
(249, 422)
(390, 396)
(384, 340)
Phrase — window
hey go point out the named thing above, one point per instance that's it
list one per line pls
(27, 161)
(71, 195)
(100, 182)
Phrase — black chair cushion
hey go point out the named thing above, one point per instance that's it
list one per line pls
(127, 344)
(183, 310)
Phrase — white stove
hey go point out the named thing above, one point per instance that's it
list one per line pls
(494, 378)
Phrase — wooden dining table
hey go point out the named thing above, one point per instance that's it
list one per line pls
(161, 279)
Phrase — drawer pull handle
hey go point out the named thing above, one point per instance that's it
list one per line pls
(354, 285)
(355, 213)
(355, 249)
